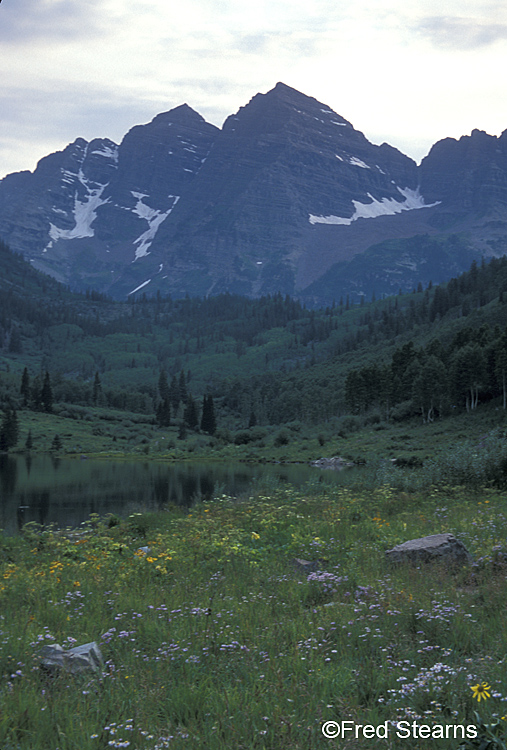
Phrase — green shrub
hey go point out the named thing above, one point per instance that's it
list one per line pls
(402, 411)
(282, 438)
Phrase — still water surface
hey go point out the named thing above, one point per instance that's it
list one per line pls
(65, 491)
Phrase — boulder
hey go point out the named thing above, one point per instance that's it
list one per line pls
(308, 566)
(335, 462)
(434, 548)
(75, 660)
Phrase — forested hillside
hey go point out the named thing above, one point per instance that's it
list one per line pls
(429, 354)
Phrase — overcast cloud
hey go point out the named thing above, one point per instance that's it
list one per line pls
(405, 73)
(462, 33)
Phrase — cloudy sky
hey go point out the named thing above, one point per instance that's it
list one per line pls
(408, 73)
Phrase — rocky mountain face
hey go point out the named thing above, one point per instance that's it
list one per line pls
(89, 211)
(287, 197)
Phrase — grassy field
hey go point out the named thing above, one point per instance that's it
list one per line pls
(214, 638)
(364, 440)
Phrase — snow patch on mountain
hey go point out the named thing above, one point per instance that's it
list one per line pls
(154, 217)
(85, 213)
(139, 287)
(358, 163)
(109, 152)
(68, 177)
(384, 207)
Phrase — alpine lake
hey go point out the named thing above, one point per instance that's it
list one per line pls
(66, 491)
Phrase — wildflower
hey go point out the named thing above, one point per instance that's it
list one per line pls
(481, 691)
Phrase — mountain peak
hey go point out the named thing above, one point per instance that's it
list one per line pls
(285, 196)
(279, 106)
(288, 95)
(283, 88)
(181, 115)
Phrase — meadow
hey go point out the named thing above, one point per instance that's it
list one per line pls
(215, 637)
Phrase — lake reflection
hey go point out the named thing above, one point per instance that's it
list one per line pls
(47, 489)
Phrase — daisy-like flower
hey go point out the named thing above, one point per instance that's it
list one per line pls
(481, 691)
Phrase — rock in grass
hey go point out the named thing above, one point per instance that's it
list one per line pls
(75, 660)
(336, 462)
(308, 566)
(434, 548)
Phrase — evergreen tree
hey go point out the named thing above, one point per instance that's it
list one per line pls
(174, 393)
(9, 430)
(36, 393)
(208, 420)
(25, 387)
(97, 388)
(46, 394)
(164, 413)
(163, 386)
(183, 393)
(190, 415)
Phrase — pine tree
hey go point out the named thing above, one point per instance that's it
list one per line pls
(174, 393)
(190, 415)
(25, 387)
(46, 394)
(183, 388)
(208, 420)
(35, 392)
(163, 386)
(164, 413)
(9, 430)
(97, 388)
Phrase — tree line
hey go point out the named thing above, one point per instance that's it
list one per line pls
(432, 380)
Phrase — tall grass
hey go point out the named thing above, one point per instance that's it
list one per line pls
(215, 638)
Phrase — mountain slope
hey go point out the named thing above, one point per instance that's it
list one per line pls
(94, 208)
(287, 197)
(282, 165)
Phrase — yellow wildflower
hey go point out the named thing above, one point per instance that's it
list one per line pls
(481, 691)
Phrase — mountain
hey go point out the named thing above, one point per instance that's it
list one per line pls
(286, 196)
(90, 210)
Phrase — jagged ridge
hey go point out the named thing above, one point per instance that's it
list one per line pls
(283, 198)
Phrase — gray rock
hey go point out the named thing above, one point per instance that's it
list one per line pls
(434, 548)
(75, 660)
(336, 462)
(307, 566)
